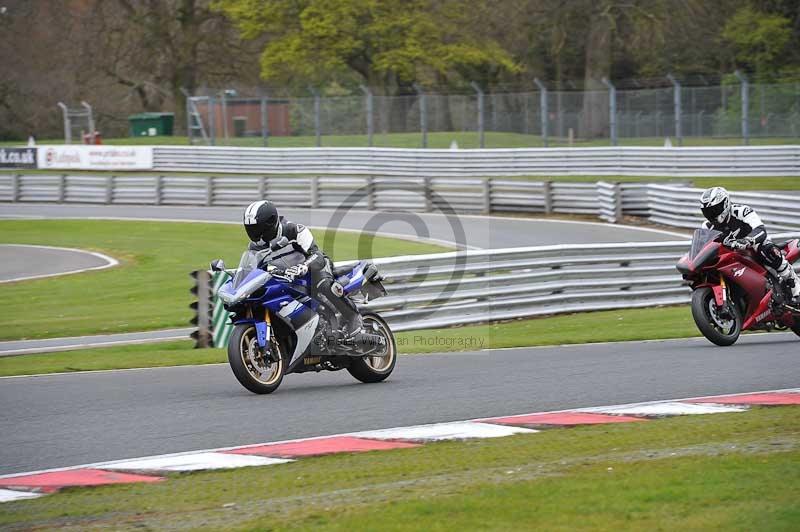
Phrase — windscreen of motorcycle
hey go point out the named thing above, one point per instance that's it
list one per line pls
(249, 262)
(700, 239)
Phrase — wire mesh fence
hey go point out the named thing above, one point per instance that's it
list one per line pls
(728, 113)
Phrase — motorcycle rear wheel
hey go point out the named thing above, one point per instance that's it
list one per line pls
(251, 370)
(375, 369)
(708, 317)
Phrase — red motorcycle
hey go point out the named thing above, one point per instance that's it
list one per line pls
(733, 292)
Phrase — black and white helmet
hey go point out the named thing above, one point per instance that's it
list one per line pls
(716, 205)
(261, 222)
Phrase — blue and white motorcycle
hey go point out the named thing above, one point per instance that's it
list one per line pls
(280, 329)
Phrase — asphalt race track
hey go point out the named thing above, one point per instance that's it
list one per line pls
(477, 231)
(62, 420)
(24, 262)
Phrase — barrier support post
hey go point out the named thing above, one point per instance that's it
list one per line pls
(547, 189)
(371, 193)
(428, 194)
(315, 192)
(617, 203)
(487, 195)
(62, 188)
(109, 189)
(209, 190)
(159, 189)
(15, 182)
(262, 187)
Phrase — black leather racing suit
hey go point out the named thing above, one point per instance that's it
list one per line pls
(319, 266)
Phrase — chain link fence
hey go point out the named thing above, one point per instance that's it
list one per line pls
(728, 113)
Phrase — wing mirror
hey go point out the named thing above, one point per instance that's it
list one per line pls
(217, 265)
(278, 243)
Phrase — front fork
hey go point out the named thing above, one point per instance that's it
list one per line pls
(722, 298)
(721, 292)
(263, 331)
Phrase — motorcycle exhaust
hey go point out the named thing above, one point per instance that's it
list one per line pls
(369, 344)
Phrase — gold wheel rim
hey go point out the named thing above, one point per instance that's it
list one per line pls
(381, 364)
(264, 372)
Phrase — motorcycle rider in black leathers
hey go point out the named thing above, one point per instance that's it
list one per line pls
(744, 229)
(262, 224)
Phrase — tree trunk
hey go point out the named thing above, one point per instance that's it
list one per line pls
(595, 119)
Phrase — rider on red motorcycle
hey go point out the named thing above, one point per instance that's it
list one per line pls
(742, 228)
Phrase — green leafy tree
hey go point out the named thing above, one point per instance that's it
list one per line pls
(760, 40)
(386, 44)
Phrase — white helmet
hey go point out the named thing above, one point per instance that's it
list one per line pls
(716, 205)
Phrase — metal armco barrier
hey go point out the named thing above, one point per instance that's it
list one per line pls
(465, 195)
(488, 285)
(627, 160)
(464, 287)
(674, 205)
(678, 207)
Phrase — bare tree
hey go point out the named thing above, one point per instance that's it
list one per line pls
(155, 48)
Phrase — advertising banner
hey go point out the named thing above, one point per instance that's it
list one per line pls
(96, 157)
(18, 157)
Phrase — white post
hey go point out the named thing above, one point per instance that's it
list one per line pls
(677, 104)
(67, 125)
(542, 108)
(745, 106)
(368, 96)
(612, 110)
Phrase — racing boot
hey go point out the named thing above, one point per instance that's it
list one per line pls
(791, 283)
(351, 319)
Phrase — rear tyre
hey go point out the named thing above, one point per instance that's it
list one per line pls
(721, 325)
(375, 369)
(796, 327)
(252, 370)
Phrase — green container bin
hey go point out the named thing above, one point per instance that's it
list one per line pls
(151, 124)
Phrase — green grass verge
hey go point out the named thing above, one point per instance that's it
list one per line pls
(608, 326)
(150, 289)
(436, 139)
(728, 471)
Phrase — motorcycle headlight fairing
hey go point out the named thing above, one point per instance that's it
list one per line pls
(244, 290)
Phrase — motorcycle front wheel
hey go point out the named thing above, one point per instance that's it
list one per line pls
(373, 368)
(255, 372)
(720, 325)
